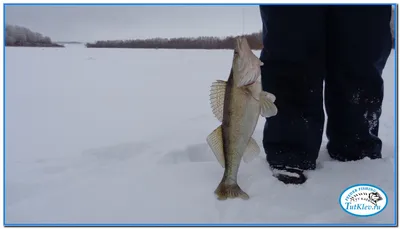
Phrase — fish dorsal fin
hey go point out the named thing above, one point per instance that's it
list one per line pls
(217, 96)
(268, 108)
(252, 151)
(215, 142)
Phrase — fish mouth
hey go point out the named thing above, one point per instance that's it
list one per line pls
(239, 43)
(251, 83)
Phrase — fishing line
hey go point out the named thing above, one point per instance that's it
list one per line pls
(242, 21)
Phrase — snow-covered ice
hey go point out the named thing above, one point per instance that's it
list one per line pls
(117, 136)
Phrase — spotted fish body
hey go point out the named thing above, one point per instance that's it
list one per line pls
(238, 103)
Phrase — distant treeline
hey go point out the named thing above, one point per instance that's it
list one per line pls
(21, 36)
(254, 39)
(69, 42)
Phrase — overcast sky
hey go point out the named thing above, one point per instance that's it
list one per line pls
(91, 23)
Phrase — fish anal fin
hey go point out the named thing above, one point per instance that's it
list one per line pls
(215, 142)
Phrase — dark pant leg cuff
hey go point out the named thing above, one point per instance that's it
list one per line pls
(355, 151)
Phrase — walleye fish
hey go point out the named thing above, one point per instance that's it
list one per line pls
(238, 104)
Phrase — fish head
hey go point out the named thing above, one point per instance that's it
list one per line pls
(241, 45)
(246, 66)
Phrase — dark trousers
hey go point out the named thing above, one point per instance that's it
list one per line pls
(345, 47)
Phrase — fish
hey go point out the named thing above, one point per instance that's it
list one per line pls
(238, 103)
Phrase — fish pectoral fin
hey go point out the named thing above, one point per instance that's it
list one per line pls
(217, 97)
(268, 108)
(252, 151)
(215, 142)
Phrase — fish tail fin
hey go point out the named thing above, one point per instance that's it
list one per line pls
(227, 190)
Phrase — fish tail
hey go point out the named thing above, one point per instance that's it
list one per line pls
(230, 190)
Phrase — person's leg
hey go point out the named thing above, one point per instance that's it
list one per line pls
(294, 67)
(359, 43)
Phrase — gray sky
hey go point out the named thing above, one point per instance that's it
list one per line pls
(91, 23)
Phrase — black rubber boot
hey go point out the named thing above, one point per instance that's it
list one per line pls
(288, 175)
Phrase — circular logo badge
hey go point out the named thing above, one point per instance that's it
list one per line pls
(363, 200)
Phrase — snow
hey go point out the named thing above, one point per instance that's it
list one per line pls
(117, 136)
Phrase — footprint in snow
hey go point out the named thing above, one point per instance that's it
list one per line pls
(120, 152)
(192, 153)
